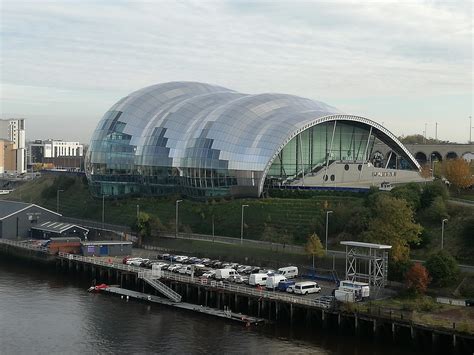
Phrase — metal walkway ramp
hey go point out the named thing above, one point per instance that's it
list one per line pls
(161, 287)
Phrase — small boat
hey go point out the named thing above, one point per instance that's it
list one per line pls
(97, 288)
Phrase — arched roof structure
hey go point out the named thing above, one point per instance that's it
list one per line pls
(190, 125)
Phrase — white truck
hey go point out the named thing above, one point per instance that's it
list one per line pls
(352, 291)
(224, 274)
(289, 272)
(273, 281)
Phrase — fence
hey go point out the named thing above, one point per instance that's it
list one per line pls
(25, 245)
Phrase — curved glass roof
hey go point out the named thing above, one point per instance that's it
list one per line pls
(196, 125)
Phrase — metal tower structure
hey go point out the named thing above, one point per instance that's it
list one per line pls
(367, 262)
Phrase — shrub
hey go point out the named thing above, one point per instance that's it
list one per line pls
(417, 279)
(443, 268)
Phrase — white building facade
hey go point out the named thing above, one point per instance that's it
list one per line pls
(13, 130)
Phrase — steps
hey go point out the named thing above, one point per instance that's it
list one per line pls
(161, 287)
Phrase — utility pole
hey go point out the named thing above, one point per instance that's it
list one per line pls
(442, 232)
(470, 129)
(177, 212)
(242, 225)
(436, 132)
(424, 136)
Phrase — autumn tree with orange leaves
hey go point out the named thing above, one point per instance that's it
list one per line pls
(458, 173)
(417, 279)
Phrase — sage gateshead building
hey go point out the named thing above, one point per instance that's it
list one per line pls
(204, 140)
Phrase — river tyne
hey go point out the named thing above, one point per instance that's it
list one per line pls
(45, 312)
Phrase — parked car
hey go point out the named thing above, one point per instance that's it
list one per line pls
(239, 279)
(284, 285)
(306, 287)
(209, 274)
(174, 267)
(244, 269)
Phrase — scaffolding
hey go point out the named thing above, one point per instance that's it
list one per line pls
(367, 262)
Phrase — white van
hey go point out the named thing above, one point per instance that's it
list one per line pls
(273, 281)
(361, 289)
(258, 279)
(289, 272)
(224, 274)
(303, 288)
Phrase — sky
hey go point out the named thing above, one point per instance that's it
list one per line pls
(404, 64)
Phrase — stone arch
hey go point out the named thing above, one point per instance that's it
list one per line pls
(451, 155)
(436, 156)
(421, 158)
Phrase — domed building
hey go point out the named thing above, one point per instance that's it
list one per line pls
(205, 140)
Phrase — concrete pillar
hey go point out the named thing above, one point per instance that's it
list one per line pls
(339, 320)
(454, 341)
(187, 292)
(218, 300)
(356, 323)
(249, 305)
(259, 308)
(277, 305)
(236, 303)
(199, 295)
(205, 298)
(412, 332)
(394, 332)
(291, 313)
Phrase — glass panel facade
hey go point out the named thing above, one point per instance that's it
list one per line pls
(207, 140)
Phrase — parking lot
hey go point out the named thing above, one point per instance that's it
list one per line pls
(177, 264)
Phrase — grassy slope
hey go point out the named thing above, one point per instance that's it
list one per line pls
(300, 217)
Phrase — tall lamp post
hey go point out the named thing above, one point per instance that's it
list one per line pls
(103, 210)
(177, 204)
(242, 225)
(327, 225)
(57, 199)
(442, 232)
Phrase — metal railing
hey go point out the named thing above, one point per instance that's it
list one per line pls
(25, 245)
(316, 302)
(161, 287)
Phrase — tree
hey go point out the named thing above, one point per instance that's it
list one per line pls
(437, 210)
(458, 173)
(411, 193)
(314, 246)
(142, 226)
(417, 279)
(431, 191)
(392, 224)
(443, 268)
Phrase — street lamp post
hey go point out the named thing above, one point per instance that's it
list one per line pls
(57, 199)
(103, 210)
(442, 232)
(327, 224)
(177, 204)
(242, 225)
(138, 211)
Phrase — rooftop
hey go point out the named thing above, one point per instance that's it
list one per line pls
(366, 245)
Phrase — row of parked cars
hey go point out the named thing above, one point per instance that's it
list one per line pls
(281, 279)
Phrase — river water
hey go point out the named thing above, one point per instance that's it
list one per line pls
(45, 312)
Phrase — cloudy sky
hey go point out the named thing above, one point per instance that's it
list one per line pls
(401, 63)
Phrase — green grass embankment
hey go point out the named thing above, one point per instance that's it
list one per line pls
(295, 217)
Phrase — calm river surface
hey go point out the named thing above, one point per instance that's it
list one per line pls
(44, 312)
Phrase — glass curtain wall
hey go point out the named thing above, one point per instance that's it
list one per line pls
(311, 149)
